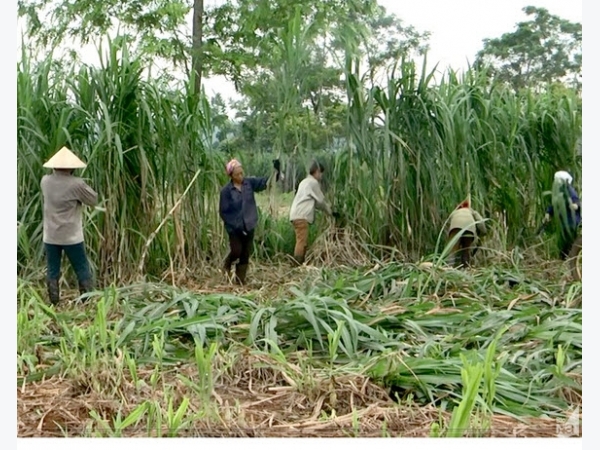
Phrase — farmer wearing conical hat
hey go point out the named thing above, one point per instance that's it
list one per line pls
(238, 210)
(469, 223)
(63, 196)
(566, 206)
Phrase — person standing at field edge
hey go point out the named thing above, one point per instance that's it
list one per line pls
(63, 197)
(567, 206)
(237, 208)
(465, 219)
(302, 212)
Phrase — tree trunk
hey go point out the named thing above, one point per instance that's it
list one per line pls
(197, 44)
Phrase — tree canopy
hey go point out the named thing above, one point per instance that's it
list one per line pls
(543, 50)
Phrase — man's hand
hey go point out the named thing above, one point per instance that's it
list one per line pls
(542, 227)
(574, 206)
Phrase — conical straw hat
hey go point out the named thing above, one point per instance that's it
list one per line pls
(64, 159)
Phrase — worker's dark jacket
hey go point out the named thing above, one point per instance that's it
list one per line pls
(574, 220)
(238, 209)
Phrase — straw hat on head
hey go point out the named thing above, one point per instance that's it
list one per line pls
(64, 159)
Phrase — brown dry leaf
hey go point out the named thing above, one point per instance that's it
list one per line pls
(520, 297)
(440, 310)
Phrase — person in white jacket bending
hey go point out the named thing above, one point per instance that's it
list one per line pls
(302, 213)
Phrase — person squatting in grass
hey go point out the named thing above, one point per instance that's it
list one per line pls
(302, 212)
(566, 205)
(237, 208)
(466, 219)
(63, 196)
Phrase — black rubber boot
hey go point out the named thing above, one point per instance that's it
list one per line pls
(86, 286)
(53, 291)
(226, 269)
(240, 273)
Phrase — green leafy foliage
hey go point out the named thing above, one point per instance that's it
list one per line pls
(527, 352)
(545, 49)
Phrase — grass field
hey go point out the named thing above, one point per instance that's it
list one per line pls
(276, 205)
(374, 336)
(388, 349)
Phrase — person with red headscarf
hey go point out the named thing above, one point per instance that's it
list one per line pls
(468, 225)
(238, 210)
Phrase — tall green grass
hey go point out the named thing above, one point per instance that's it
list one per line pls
(416, 150)
(413, 150)
(143, 143)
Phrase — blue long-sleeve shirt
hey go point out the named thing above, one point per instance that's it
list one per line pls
(238, 208)
(575, 199)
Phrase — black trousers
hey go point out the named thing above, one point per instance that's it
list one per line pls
(240, 245)
(77, 258)
(567, 238)
(464, 249)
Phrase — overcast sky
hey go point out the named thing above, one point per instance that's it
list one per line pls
(457, 26)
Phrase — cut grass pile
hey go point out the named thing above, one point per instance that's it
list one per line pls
(387, 350)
